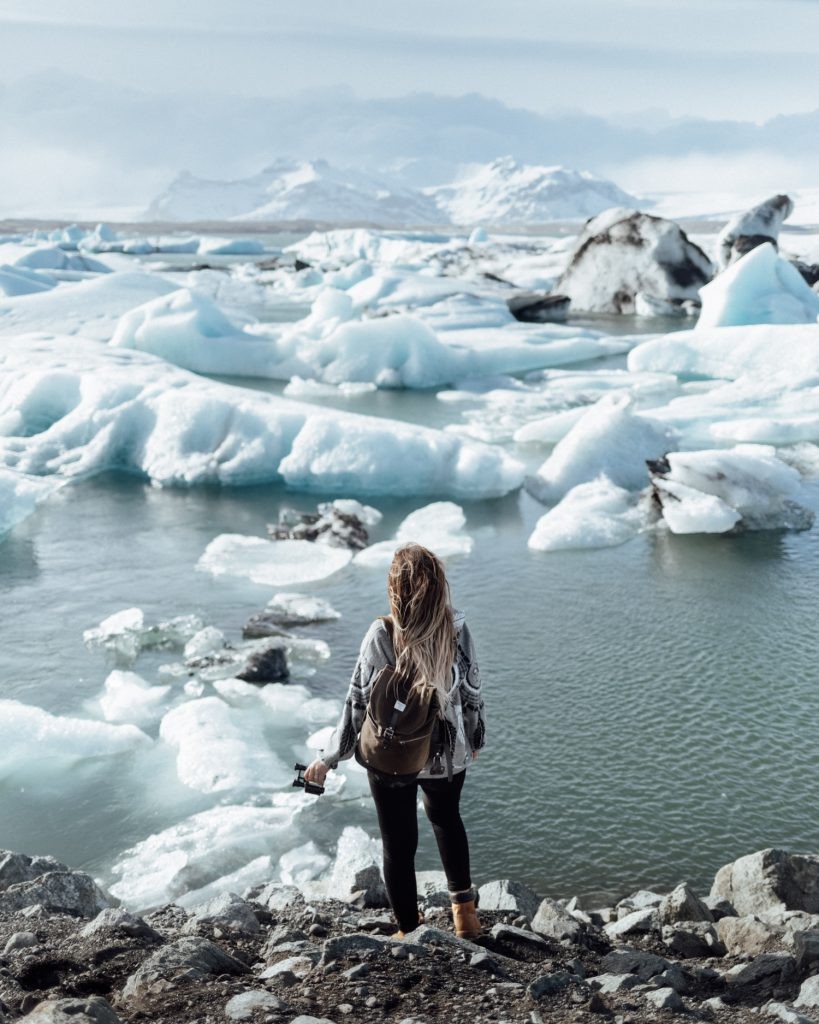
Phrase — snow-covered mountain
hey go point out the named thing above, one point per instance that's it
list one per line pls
(507, 192)
(295, 190)
(501, 192)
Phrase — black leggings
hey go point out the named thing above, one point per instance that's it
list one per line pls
(397, 819)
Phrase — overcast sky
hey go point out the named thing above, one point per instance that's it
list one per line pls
(743, 59)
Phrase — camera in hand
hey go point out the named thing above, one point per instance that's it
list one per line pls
(308, 787)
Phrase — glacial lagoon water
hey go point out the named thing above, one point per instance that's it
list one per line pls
(652, 709)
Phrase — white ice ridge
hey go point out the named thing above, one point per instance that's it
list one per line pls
(760, 288)
(203, 848)
(334, 346)
(713, 491)
(19, 496)
(71, 407)
(33, 741)
(610, 438)
(726, 353)
(89, 308)
(597, 514)
(439, 527)
(274, 563)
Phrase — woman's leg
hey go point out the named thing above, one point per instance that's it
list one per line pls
(398, 821)
(441, 803)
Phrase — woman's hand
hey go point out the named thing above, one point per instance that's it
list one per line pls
(316, 772)
(475, 755)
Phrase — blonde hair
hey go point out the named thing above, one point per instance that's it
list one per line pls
(423, 630)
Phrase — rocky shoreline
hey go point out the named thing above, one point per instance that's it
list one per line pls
(282, 954)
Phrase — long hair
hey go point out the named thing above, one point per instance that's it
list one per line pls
(424, 633)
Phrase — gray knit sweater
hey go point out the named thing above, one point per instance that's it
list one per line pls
(465, 720)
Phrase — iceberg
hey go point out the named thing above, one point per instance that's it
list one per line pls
(52, 257)
(762, 223)
(623, 253)
(597, 514)
(275, 563)
(19, 496)
(19, 281)
(33, 741)
(231, 247)
(726, 353)
(716, 491)
(89, 308)
(70, 407)
(128, 697)
(439, 527)
(759, 288)
(611, 439)
(203, 848)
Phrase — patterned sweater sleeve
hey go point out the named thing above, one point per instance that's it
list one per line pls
(470, 690)
(376, 652)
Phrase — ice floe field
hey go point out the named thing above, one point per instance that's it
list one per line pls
(610, 432)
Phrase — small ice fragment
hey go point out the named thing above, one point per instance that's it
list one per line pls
(207, 641)
(274, 563)
(129, 698)
(291, 609)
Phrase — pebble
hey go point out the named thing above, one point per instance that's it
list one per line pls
(20, 940)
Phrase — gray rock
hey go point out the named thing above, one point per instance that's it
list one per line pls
(305, 1018)
(784, 1013)
(228, 912)
(20, 940)
(508, 933)
(82, 1010)
(555, 922)
(634, 961)
(356, 942)
(683, 904)
(295, 967)
(763, 977)
(282, 935)
(622, 254)
(484, 961)
(806, 951)
(719, 907)
(19, 867)
(665, 999)
(748, 936)
(770, 880)
(674, 977)
(426, 935)
(245, 1004)
(186, 959)
(636, 923)
(506, 894)
(607, 983)
(808, 997)
(696, 939)
(432, 888)
(117, 919)
(549, 984)
(356, 973)
(643, 899)
(68, 892)
(277, 896)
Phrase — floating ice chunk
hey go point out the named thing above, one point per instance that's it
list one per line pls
(299, 609)
(220, 748)
(761, 221)
(276, 563)
(257, 872)
(48, 257)
(713, 491)
(19, 281)
(127, 697)
(611, 438)
(302, 864)
(91, 308)
(477, 236)
(102, 239)
(119, 633)
(290, 704)
(203, 849)
(730, 352)
(597, 514)
(439, 527)
(206, 641)
(71, 407)
(231, 247)
(301, 387)
(32, 740)
(20, 494)
(760, 288)
(357, 865)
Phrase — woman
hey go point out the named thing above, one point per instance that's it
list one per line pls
(432, 644)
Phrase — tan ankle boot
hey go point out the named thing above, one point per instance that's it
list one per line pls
(402, 935)
(465, 915)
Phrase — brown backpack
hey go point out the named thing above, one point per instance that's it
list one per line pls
(401, 729)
